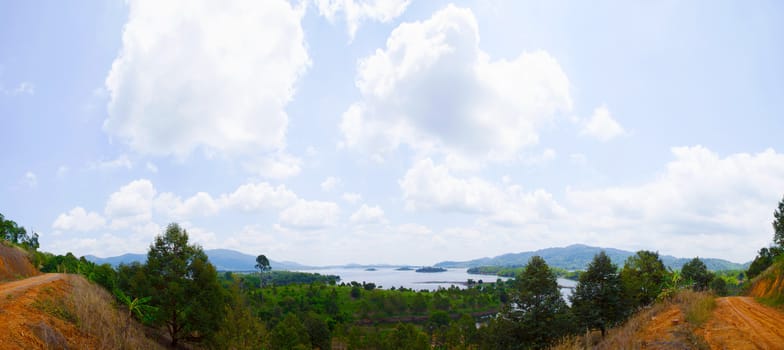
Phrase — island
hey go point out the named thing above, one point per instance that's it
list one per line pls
(370, 269)
(431, 269)
(404, 268)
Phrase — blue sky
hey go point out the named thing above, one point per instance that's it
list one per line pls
(337, 131)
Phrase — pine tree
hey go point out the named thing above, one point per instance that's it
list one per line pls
(597, 301)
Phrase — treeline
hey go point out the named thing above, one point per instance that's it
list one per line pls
(10, 231)
(512, 271)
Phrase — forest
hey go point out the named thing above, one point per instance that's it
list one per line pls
(178, 294)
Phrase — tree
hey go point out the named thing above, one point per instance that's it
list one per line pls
(263, 265)
(597, 301)
(719, 286)
(289, 334)
(696, 273)
(539, 310)
(184, 287)
(763, 260)
(642, 277)
(778, 224)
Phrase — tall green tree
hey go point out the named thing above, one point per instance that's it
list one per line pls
(184, 287)
(597, 301)
(778, 224)
(697, 274)
(263, 265)
(643, 277)
(538, 309)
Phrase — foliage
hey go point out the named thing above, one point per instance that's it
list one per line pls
(696, 273)
(643, 276)
(10, 231)
(719, 286)
(540, 313)
(241, 329)
(184, 287)
(778, 224)
(512, 271)
(597, 301)
(763, 260)
(289, 334)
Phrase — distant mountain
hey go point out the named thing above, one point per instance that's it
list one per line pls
(578, 256)
(223, 259)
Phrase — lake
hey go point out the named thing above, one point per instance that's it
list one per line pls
(387, 277)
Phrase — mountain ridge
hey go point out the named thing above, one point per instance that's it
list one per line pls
(578, 256)
(223, 259)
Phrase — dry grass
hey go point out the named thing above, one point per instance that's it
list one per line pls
(98, 316)
(660, 326)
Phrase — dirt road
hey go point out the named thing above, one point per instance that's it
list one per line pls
(17, 287)
(742, 323)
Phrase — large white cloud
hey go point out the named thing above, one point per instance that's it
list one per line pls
(78, 219)
(368, 215)
(357, 11)
(196, 74)
(310, 215)
(719, 204)
(132, 204)
(430, 186)
(432, 88)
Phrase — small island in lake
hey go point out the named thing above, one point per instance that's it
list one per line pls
(371, 269)
(404, 268)
(431, 269)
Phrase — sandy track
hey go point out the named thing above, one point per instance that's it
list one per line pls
(19, 286)
(742, 323)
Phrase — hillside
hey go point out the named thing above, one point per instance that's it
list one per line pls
(578, 256)
(223, 259)
(769, 285)
(14, 264)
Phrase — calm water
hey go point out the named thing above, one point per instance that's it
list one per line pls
(389, 277)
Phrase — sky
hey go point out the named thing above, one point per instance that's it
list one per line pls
(393, 131)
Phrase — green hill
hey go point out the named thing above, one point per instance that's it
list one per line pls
(578, 256)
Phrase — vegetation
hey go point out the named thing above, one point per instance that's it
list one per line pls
(643, 277)
(512, 271)
(430, 269)
(597, 300)
(179, 292)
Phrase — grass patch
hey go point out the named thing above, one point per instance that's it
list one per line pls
(56, 309)
(700, 310)
(775, 301)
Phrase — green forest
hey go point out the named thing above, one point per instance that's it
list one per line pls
(179, 293)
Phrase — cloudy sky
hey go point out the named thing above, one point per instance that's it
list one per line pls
(393, 131)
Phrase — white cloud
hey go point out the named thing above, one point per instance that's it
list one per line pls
(368, 215)
(700, 196)
(200, 204)
(310, 215)
(434, 89)
(279, 165)
(121, 161)
(351, 197)
(151, 167)
(430, 186)
(330, 183)
(30, 179)
(132, 204)
(602, 126)
(259, 196)
(358, 11)
(205, 75)
(78, 219)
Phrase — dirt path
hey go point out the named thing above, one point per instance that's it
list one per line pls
(19, 286)
(742, 323)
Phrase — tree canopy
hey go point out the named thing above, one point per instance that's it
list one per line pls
(184, 287)
(643, 277)
(597, 301)
(697, 274)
